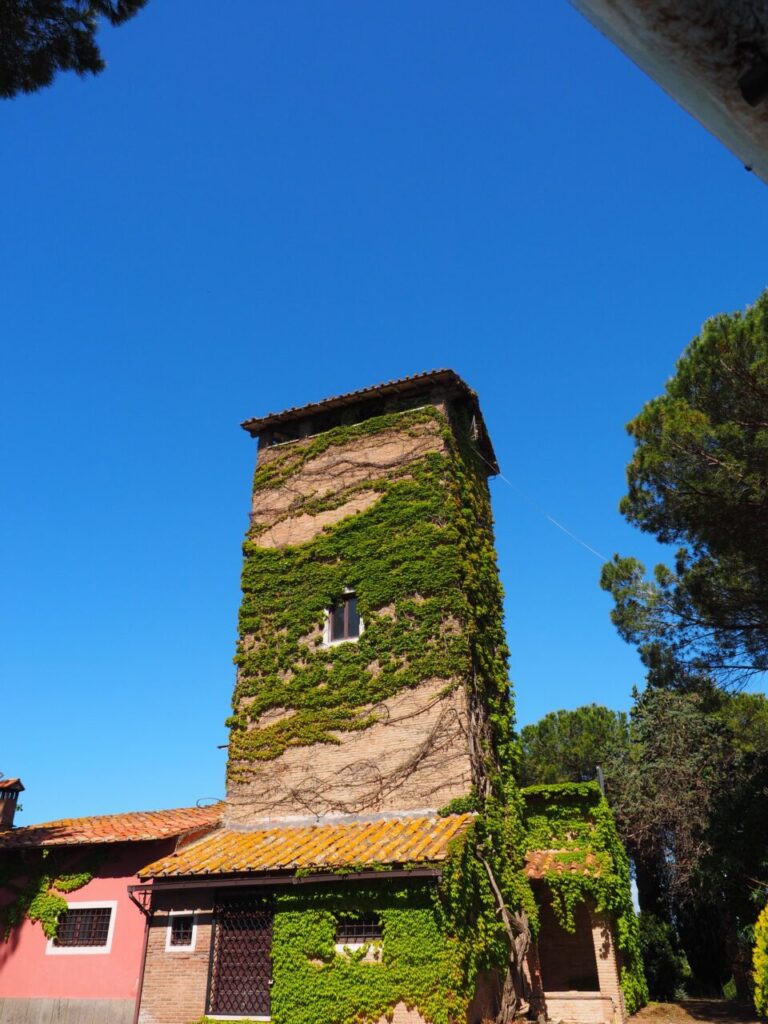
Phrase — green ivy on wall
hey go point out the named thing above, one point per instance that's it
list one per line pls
(575, 818)
(433, 944)
(37, 888)
(422, 564)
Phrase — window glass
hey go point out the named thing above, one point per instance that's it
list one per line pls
(353, 618)
(337, 621)
(344, 619)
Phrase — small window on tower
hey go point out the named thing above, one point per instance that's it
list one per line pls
(344, 622)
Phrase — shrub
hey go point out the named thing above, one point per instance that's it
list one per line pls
(760, 962)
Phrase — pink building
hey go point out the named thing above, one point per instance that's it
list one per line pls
(92, 970)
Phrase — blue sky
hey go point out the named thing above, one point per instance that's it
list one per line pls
(257, 209)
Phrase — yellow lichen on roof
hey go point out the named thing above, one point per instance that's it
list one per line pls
(334, 845)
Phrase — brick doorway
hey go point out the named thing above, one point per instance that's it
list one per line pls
(567, 958)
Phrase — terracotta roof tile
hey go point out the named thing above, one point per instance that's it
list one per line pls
(11, 784)
(342, 844)
(114, 828)
(539, 863)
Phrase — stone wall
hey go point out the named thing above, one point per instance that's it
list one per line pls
(66, 1011)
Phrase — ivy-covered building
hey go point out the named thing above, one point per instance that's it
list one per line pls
(374, 861)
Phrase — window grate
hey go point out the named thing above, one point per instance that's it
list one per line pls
(241, 965)
(362, 928)
(182, 929)
(85, 926)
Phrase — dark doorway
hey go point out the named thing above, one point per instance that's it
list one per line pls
(567, 958)
(241, 959)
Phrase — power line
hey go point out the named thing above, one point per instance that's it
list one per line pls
(542, 511)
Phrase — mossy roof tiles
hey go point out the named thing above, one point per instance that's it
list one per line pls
(330, 845)
(540, 863)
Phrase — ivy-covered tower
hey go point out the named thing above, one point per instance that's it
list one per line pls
(372, 694)
(371, 664)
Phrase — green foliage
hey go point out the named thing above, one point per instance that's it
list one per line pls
(43, 37)
(699, 478)
(37, 887)
(461, 805)
(690, 796)
(760, 963)
(666, 969)
(575, 818)
(422, 564)
(567, 746)
(312, 982)
(434, 941)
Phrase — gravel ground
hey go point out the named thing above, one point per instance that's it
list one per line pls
(694, 1011)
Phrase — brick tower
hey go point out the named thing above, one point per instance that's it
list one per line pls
(371, 663)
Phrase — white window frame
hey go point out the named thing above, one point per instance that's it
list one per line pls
(327, 642)
(53, 950)
(375, 947)
(181, 949)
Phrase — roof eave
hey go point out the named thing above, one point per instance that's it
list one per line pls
(446, 378)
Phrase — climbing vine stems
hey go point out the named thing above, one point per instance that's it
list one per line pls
(37, 889)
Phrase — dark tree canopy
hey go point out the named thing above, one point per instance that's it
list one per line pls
(690, 796)
(567, 746)
(699, 478)
(38, 38)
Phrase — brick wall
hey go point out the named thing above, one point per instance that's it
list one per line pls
(607, 965)
(175, 983)
(416, 756)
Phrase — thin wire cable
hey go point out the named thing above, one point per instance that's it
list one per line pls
(537, 508)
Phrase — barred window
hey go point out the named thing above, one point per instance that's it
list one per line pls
(87, 926)
(181, 931)
(358, 930)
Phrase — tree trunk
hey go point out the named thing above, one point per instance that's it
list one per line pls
(517, 928)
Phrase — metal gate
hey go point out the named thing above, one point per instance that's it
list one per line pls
(241, 958)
